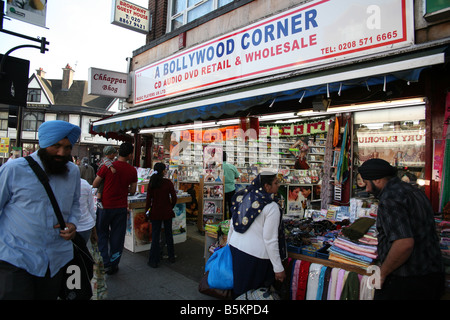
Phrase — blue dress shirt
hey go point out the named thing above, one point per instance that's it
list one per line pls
(27, 237)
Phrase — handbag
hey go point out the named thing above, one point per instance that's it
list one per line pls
(204, 288)
(81, 255)
(259, 294)
(220, 267)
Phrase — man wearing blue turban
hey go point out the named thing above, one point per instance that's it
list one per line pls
(33, 250)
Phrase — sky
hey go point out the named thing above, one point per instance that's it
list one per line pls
(80, 34)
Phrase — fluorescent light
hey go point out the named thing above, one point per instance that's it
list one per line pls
(278, 116)
(364, 107)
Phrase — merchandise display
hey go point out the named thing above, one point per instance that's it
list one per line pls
(314, 281)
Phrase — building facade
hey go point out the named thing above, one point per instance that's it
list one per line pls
(218, 60)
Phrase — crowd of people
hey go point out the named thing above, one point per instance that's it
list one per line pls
(34, 250)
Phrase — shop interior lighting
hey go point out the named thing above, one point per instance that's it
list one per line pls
(279, 116)
(364, 107)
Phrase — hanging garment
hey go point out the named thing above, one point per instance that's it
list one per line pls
(303, 280)
(313, 281)
(350, 291)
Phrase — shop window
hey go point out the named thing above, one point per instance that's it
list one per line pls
(182, 12)
(34, 95)
(63, 117)
(32, 120)
(401, 143)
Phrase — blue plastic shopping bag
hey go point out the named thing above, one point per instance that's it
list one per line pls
(220, 267)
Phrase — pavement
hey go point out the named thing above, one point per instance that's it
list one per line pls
(135, 280)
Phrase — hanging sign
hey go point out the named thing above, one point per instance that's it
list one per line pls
(295, 129)
(130, 16)
(108, 83)
(34, 12)
(314, 33)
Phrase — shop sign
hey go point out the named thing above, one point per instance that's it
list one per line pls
(399, 148)
(4, 145)
(34, 12)
(130, 16)
(314, 33)
(296, 129)
(108, 83)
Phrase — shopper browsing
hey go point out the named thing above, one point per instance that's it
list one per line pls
(256, 236)
(408, 246)
(112, 219)
(161, 199)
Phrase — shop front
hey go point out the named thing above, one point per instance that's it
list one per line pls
(312, 122)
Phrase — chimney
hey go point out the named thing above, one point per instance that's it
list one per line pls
(67, 79)
(40, 72)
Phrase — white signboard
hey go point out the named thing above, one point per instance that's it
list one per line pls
(108, 83)
(128, 15)
(33, 12)
(314, 33)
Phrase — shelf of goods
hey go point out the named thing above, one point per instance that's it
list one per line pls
(343, 250)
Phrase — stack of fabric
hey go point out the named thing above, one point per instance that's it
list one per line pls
(357, 245)
(353, 253)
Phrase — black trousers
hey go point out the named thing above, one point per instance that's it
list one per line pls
(427, 287)
(228, 196)
(18, 284)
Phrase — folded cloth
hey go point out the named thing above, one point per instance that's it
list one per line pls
(365, 250)
(348, 254)
(358, 228)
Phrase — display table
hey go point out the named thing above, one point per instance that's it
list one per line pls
(138, 236)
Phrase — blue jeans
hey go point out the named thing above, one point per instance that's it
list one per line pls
(155, 249)
(111, 228)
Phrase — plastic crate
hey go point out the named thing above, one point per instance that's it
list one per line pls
(294, 249)
(309, 251)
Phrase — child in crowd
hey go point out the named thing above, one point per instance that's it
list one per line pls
(110, 153)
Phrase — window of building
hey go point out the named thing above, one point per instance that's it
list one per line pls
(32, 120)
(4, 120)
(63, 117)
(182, 12)
(34, 95)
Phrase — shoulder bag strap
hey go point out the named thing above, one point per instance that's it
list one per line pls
(44, 180)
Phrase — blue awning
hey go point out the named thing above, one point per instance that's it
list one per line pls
(229, 102)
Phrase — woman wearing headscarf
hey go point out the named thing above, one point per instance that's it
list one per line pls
(161, 198)
(256, 235)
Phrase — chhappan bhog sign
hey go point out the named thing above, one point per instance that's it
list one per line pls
(108, 83)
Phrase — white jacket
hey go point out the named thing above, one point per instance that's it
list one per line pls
(261, 238)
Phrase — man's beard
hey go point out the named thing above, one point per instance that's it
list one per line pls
(375, 191)
(56, 165)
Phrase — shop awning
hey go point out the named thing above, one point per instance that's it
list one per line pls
(229, 101)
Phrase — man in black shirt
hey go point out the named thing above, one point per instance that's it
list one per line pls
(408, 246)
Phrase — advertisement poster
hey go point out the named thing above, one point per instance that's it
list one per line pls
(297, 200)
(192, 208)
(34, 12)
